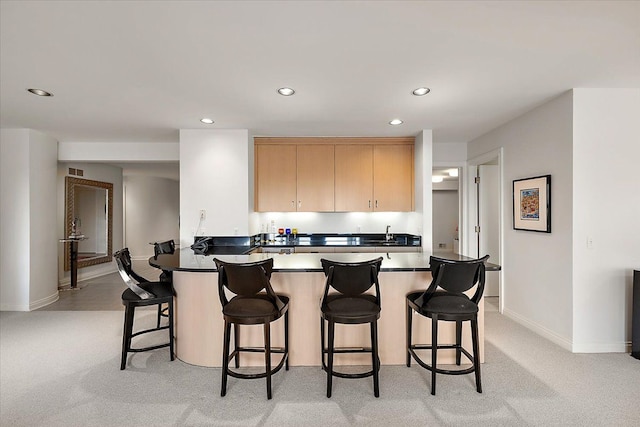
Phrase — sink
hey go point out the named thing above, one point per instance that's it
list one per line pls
(382, 243)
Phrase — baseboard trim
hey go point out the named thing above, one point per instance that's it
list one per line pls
(619, 347)
(539, 329)
(14, 307)
(44, 301)
(32, 305)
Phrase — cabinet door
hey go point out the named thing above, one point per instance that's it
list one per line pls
(315, 175)
(393, 177)
(354, 178)
(275, 184)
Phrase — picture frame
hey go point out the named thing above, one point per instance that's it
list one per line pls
(532, 204)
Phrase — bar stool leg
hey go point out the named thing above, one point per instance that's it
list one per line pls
(171, 339)
(322, 347)
(434, 352)
(267, 356)
(286, 340)
(409, 327)
(330, 358)
(127, 331)
(476, 353)
(159, 315)
(236, 343)
(458, 341)
(225, 357)
(374, 358)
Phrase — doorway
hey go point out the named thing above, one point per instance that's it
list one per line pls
(485, 216)
(446, 206)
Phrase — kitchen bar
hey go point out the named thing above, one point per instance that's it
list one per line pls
(299, 275)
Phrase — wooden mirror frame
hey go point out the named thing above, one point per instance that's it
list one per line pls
(70, 184)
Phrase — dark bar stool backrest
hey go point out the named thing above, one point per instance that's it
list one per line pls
(457, 277)
(167, 247)
(245, 279)
(123, 261)
(351, 279)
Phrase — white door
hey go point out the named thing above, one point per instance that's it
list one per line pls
(489, 221)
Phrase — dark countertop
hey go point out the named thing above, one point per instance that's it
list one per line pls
(340, 240)
(187, 260)
(240, 245)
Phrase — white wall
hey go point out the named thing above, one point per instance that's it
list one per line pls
(537, 267)
(27, 221)
(118, 152)
(449, 154)
(152, 213)
(214, 176)
(96, 172)
(606, 199)
(14, 224)
(423, 164)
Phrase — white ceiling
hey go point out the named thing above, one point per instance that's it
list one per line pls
(139, 71)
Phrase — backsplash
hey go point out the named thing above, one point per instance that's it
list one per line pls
(338, 222)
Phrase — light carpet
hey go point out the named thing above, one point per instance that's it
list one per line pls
(61, 368)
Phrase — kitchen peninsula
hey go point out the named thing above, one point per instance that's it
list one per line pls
(299, 275)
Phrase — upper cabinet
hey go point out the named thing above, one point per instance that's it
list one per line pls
(393, 177)
(374, 178)
(334, 174)
(275, 174)
(315, 177)
(294, 178)
(354, 178)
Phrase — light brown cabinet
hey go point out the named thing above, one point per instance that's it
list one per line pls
(393, 177)
(315, 178)
(292, 178)
(354, 178)
(334, 174)
(374, 178)
(275, 178)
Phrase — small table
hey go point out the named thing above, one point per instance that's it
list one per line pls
(73, 254)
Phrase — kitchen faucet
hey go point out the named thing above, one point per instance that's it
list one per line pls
(388, 236)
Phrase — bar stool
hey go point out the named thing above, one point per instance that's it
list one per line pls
(349, 304)
(254, 303)
(140, 294)
(166, 247)
(448, 304)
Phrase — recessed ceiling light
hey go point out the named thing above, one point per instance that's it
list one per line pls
(395, 122)
(453, 172)
(40, 92)
(206, 121)
(421, 91)
(286, 91)
(437, 178)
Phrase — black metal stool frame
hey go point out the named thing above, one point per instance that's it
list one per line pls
(475, 273)
(281, 304)
(166, 247)
(128, 334)
(372, 268)
(142, 294)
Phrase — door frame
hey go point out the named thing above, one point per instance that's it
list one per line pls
(469, 244)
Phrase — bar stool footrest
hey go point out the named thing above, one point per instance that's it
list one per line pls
(440, 370)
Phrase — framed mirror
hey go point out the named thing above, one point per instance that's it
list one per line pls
(89, 217)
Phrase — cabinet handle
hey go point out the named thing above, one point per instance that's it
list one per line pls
(299, 204)
(293, 204)
(376, 204)
(369, 204)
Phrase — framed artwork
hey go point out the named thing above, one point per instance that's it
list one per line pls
(532, 204)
